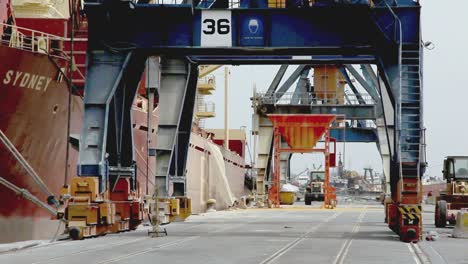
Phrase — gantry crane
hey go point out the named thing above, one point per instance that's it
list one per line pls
(386, 34)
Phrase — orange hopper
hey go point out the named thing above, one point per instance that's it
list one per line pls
(301, 132)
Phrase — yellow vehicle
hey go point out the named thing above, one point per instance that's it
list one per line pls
(455, 197)
(315, 187)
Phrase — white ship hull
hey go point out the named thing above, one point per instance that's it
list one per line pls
(213, 173)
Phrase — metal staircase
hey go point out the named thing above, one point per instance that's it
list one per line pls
(403, 214)
(410, 141)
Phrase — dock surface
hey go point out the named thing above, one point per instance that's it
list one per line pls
(294, 234)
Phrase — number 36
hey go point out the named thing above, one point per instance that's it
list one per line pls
(221, 26)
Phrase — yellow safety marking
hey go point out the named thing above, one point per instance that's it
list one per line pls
(410, 216)
(411, 209)
(411, 212)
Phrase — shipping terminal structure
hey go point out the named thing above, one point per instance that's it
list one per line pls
(133, 66)
(41, 117)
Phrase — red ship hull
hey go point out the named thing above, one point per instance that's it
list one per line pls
(34, 116)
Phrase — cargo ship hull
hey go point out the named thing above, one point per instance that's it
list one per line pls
(213, 173)
(34, 117)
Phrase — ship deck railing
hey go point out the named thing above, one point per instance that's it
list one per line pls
(32, 40)
(207, 106)
(208, 79)
(315, 98)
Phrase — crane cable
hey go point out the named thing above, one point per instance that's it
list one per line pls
(70, 84)
(7, 143)
(26, 194)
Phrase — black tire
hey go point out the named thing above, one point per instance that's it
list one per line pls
(321, 198)
(307, 200)
(441, 214)
(75, 233)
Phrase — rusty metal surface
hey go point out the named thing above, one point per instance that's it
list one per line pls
(302, 131)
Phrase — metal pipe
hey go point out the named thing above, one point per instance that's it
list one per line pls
(152, 84)
(149, 134)
(226, 108)
(70, 84)
(254, 134)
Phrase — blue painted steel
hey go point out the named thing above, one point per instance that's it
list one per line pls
(252, 30)
(253, 4)
(307, 31)
(393, 3)
(205, 3)
(356, 135)
(410, 22)
(102, 172)
(87, 170)
(312, 60)
(311, 31)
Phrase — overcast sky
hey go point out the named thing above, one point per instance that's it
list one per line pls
(445, 23)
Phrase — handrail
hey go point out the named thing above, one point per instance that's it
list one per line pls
(399, 106)
(316, 98)
(37, 42)
(32, 40)
(36, 32)
(206, 107)
(208, 79)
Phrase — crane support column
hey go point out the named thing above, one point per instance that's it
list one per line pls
(273, 191)
(176, 112)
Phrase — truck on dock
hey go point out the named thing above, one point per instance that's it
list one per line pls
(455, 197)
(315, 187)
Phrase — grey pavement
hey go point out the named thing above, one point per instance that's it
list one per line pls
(294, 234)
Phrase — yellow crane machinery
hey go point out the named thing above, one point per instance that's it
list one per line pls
(89, 213)
(455, 197)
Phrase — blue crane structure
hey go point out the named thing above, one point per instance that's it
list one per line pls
(124, 35)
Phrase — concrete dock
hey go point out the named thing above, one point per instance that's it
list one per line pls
(295, 234)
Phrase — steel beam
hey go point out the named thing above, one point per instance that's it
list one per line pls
(302, 87)
(351, 85)
(356, 112)
(354, 135)
(175, 76)
(278, 77)
(284, 163)
(290, 81)
(310, 31)
(352, 112)
(263, 129)
(106, 136)
(284, 60)
(369, 75)
(370, 89)
(178, 163)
